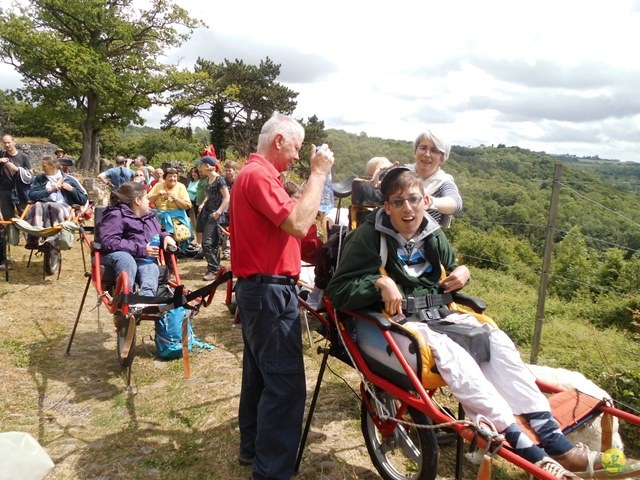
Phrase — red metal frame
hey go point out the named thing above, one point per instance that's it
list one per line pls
(421, 398)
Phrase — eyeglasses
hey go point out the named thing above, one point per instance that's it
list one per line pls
(413, 200)
(431, 150)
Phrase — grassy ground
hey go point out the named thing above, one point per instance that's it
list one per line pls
(167, 427)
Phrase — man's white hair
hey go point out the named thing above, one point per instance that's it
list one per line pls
(281, 124)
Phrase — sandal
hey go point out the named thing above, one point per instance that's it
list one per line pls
(592, 464)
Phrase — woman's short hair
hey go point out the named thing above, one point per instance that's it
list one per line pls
(51, 161)
(439, 141)
(169, 171)
(127, 193)
(231, 164)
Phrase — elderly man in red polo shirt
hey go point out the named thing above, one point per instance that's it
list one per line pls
(267, 226)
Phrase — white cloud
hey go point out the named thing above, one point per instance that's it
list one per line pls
(555, 76)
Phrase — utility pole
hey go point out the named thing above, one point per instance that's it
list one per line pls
(546, 263)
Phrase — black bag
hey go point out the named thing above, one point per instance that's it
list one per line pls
(329, 254)
(473, 338)
(363, 193)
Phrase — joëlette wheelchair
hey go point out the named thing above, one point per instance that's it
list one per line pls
(117, 295)
(49, 241)
(400, 417)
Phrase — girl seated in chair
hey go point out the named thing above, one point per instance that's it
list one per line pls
(126, 230)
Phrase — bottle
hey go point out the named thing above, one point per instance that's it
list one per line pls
(155, 242)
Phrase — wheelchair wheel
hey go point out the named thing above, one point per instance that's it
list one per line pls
(125, 325)
(126, 332)
(404, 453)
(52, 259)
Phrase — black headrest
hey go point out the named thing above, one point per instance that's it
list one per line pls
(343, 189)
(98, 212)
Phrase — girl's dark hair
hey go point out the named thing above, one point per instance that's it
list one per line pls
(399, 181)
(194, 170)
(127, 193)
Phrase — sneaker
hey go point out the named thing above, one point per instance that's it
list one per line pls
(549, 465)
(210, 276)
(588, 464)
(3, 267)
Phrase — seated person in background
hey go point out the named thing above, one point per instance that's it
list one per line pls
(116, 176)
(430, 151)
(128, 225)
(65, 162)
(171, 201)
(53, 193)
(328, 220)
(140, 177)
(158, 175)
(377, 167)
(499, 388)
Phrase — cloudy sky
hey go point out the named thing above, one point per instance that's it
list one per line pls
(561, 76)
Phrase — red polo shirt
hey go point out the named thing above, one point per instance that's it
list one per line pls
(259, 204)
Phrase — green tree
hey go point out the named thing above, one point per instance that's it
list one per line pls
(164, 142)
(572, 266)
(218, 127)
(611, 269)
(96, 63)
(249, 93)
(9, 107)
(314, 134)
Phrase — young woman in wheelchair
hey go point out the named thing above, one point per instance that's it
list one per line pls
(126, 231)
(497, 389)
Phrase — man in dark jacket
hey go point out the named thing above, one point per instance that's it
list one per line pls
(15, 170)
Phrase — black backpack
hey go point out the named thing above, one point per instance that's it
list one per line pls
(329, 254)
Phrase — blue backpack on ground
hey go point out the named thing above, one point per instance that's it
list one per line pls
(168, 335)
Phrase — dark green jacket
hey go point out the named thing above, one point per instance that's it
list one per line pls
(353, 287)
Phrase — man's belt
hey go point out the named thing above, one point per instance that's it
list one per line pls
(273, 279)
(411, 305)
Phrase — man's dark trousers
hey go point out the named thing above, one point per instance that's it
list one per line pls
(273, 382)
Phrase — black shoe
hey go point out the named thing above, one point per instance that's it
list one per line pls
(32, 243)
(244, 461)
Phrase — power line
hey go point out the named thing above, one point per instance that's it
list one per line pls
(600, 205)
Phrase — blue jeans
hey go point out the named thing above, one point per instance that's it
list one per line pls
(273, 382)
(140, 270)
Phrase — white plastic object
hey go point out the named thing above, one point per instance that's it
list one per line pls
(22, 457)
